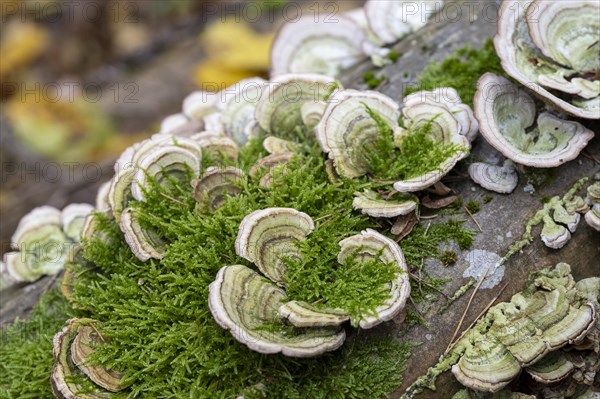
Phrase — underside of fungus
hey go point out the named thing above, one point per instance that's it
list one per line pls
(72, 348)
(312, 45)
(247, 304)
(507, 120)
(552, 48)
(267, 237)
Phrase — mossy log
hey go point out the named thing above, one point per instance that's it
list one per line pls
(502, 219)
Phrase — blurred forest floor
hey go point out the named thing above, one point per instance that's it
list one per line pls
(81, 81)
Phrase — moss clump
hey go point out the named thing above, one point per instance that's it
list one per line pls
(371, 80)
(26, 349)
(162, 334)
(394, 55)
(473, 206)
(416, 155)
(448, 257)
(487, 199)
(460, 70)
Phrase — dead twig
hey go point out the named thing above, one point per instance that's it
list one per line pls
(429, 285)
(473, 217)
(489, 305)
(590, 156)
(172, 199)
(467, 308)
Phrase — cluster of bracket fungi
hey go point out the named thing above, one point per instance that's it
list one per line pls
(555, 56)
(548, 331)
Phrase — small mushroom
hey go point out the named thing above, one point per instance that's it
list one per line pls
(239, 106)
(40, 246)
(167, 160)
(102, 204)
(369, 245)
(449, 125)
(215, 186)
(275, 145)
(554, 235)
(558, 67)
(144, 243)
(213, 123)
(370, 203)
(500, 179)
(73, 218)
(278, 111)
(173, 122)
(303, 314)
(270, 165)
(199, 104)
(592, 217)
(312, 45)
(552, 368)
(312, 112)
(72, 347)
(392, 20)
(506, 116)
(267, 236)
(218, 146)
(346, 128)
(82, 348)
(448, 98)
(242, 302)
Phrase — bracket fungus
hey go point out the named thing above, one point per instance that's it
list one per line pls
(244, 302)
(372, 204)
(448, 122)
(215, 186)
(501, 179)
(592, 217)
(144, 243)
(346, 128)
(279, 110)
(42, 241)
(448, 98)
(392, 20)
(275, 145)
(238, 109)
(270, 167)
(320, 46)
(552, 48)
(547, 315)
(72, 375)
(370, 245)
(507, 121)
(303, 314)
(265, 236)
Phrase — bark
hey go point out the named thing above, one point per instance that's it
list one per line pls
(502, 220)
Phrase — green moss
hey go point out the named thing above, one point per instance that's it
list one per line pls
(394, 55)
(460, 70)
(416, 155)
(448, 258)
(162, 334)
(26, 349)
(371, 80)
(473, 206)
(487, 199)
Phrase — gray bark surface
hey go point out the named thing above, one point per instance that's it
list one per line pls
(502, 220)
